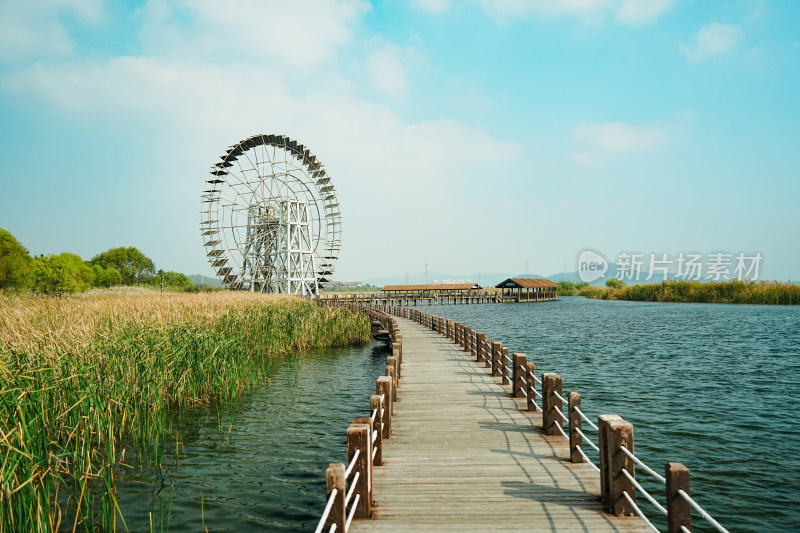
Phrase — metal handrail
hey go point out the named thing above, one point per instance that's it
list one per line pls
(703, 513)
(639, 511)
(327, 510)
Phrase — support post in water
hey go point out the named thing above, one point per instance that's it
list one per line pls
(358, 438)
(497, 354)
(334, 479)
(575, 424)
(679, 512)
(375, 406)
(519, 377)
(620, 433)
(551, 384)
(384, 388)
(605, 466)
(531, 387)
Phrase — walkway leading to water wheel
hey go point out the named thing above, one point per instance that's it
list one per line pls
(465, 456)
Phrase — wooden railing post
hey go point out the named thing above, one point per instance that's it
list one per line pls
(619, 433)
(334, 479)
(602, 437)
(449, 329)
(679, 512)
(575, 423)
(504, 365)
(486, 350)
(397, 351)
(391, 372)
(477, 349)
(551, 384)
(358, 438)
(497, 354)
(375, 406)
(519, 376)
(530, 387)
(384, 388)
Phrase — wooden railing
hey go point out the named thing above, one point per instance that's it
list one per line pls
(614, 446)
(349, 489)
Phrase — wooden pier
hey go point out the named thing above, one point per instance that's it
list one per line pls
(379, 299)
(466, 456)
(464, 437)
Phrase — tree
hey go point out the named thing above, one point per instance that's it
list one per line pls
(132, 265)
(615, 283)
(174, 280)
(53, 275)
(81, 273)
(106, 277)
(15, 263)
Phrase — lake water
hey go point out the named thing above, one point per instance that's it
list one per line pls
(715, 387)
(257, 463)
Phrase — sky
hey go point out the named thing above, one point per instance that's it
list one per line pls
(469, 136)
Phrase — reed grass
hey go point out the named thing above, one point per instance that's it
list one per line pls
(732, 291)
(79, 374)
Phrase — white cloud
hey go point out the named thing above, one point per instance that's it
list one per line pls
(712, 40)
(300, 35)
(631, 12)
(31, 29)
(434, 6)
(386, 71)
(618, 137)
(595, 143)
(635, 12)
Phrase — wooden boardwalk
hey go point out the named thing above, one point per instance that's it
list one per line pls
(465, 456)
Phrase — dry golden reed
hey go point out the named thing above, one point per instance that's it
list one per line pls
(77, 374)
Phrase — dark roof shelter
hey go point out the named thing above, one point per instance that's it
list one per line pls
(527, 289)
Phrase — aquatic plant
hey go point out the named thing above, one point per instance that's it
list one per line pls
(78, 374)
(730, 291)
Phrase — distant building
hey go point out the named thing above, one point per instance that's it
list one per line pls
(431, 288)
(527, 290)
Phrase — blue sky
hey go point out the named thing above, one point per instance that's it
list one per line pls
(472, 136)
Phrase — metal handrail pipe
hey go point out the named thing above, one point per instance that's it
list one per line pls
(703, 513)
(646, 494)
(639, 511)
(327, 511)
(639, 462)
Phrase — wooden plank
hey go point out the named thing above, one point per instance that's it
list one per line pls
(466, 456)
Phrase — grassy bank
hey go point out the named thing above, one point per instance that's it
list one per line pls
(737, 292)
(78, 374)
